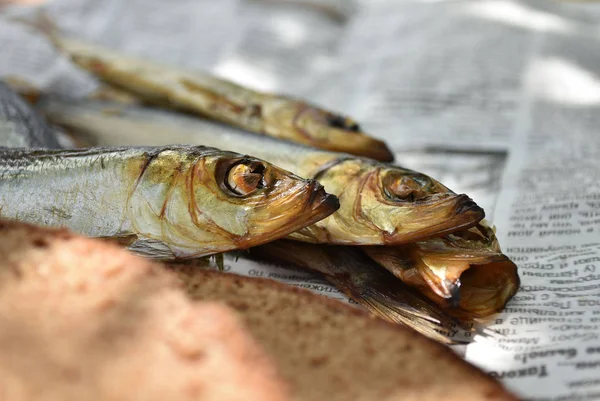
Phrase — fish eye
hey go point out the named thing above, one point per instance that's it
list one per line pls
(337, 121)
(245, 177)
(408, 188)
(423, 181)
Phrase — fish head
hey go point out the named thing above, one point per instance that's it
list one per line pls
(218, 201)
(416, 206)
(387, 205)
(254, 201)
(304, 123)
(464, 272)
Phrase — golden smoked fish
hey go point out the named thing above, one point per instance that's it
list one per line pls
(465, 272)
(380, 204)
(165, 202)
(269, 114)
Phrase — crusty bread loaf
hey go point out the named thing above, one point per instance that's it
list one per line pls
(331, 351)
(82, 319)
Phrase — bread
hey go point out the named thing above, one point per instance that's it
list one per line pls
(331, 351)
(82, 319)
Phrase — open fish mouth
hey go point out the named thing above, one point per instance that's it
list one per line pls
(486, 288)
(465, 272)
(322, 203)
(460, 211)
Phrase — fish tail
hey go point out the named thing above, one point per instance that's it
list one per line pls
(399, 305)
(366, 283)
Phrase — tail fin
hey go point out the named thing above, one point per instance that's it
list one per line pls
(399, 305)
(368, 284)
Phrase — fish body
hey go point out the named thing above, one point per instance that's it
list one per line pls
(168, 202)
(215, 98)
(379, 203)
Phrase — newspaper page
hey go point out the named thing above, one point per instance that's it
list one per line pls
(496, 98)
(413, 82)
(548, 222)
(191, 36)
(282, 46)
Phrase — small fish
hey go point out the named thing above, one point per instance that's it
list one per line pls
(465, 272)
(366, 283)
(380, 204)
(164, 202)
(275, 115)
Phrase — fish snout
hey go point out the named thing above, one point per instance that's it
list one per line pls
(319, 201)
(466, 205)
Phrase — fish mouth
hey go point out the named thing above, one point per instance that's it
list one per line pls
(322, 204)
(343, 134)
(466, 204)
(452, 289)
(461, 213)
(450, 286)
(486, 289)
(318, 205)
(379, 150)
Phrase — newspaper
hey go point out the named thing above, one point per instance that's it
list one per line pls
(548, 222)
(496, 98)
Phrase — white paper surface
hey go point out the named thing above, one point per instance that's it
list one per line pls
(499, 99)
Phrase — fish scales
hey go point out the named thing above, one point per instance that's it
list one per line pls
(97, 183)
